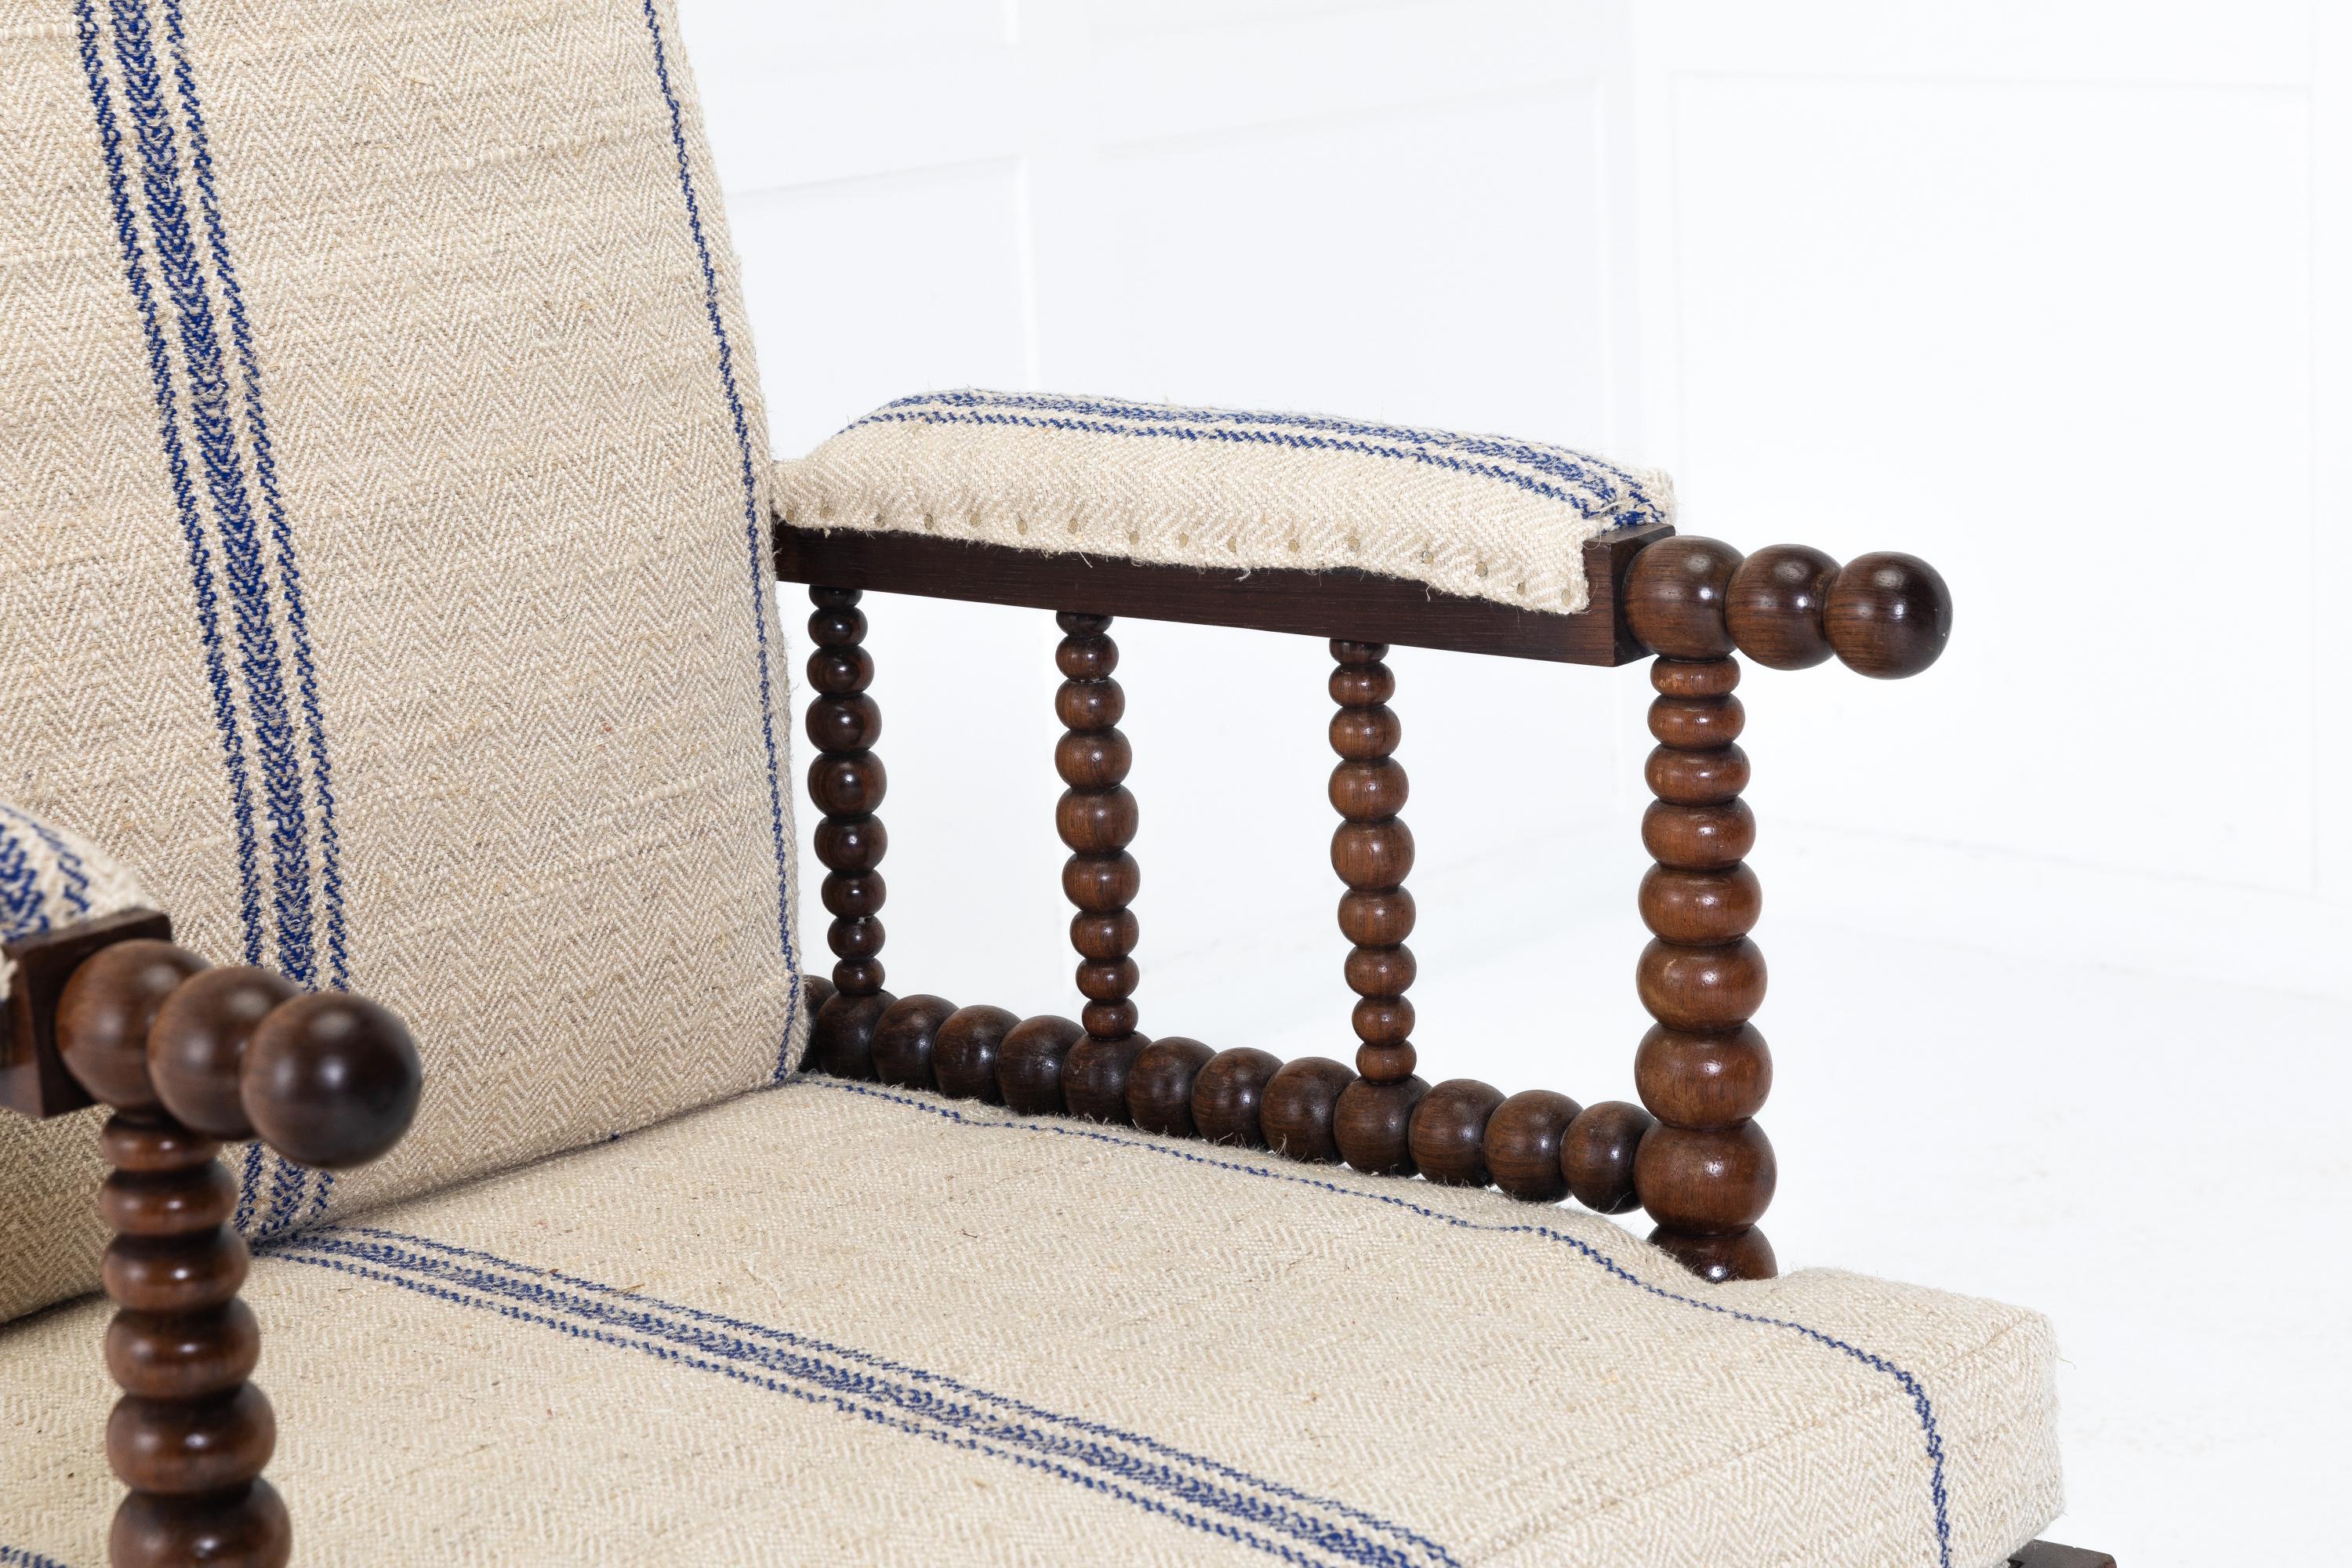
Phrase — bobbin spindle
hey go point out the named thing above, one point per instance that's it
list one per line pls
(1372, 851)
(1097, 819)
(1706, 1176)
(847, 782)
(188, 1056)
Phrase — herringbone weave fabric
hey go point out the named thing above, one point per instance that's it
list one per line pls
(1485, 516)
(381, 567)
(939, 1333)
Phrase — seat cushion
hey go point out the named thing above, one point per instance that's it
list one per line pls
(837, 1323)
(1484, 515)
(383, 575)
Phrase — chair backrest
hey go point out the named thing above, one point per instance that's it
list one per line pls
(384, 571)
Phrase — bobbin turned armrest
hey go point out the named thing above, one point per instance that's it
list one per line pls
(1367, 535)
(187, 1056)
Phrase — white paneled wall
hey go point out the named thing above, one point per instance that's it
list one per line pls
(2049, 291)
(2031, 289)
(2027, 288)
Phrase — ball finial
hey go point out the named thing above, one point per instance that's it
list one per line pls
(1675, 594)
(1775, 606)
(196, 1048)
(331, 1079)
(1889, 615)
(106, 1010)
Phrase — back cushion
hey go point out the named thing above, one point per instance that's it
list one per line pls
(382, 571)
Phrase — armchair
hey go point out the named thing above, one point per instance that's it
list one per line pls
(386, 592)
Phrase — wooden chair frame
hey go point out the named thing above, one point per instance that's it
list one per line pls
(1691, 1153)
(187, 1056)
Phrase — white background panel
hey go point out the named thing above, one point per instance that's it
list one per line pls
(1119, 18)
(862, 290)
(1324, 264)
(1984, 330)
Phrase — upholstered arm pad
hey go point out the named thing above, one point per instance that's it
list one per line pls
(1483, 516)
(50, 878)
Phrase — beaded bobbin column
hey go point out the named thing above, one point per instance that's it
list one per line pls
(847, 782)
(1706, 1171)
(1097, 819)
(1372, 851)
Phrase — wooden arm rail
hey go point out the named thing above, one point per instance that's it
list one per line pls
(1691, 1152)
(189, 1056)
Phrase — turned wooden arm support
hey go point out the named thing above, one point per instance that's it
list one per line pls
(189, 1056)
(1691, 1153)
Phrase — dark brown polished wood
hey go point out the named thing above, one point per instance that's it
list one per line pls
(1448, 1131)
(1788, 606)
(1229, 1094)
(1097, 819)
(1371, 849)
(1029, 1063)
(1160, 1085)
(1695, 1156)
(906, 1038)
(1299, 1109)
(1335, 604)
(187, 1056)
(964, 1052)
(2050, 1554)
(1522, 1142)
(847, 782)
(33, 1077)
(1705, 1177)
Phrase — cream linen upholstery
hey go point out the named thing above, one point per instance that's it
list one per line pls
(381, 566)
(1485, 516)
(833, 1323)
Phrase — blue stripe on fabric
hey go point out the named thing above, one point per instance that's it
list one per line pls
(248, 577)
(23, 911)
(1316, 443)
(1560, 462)
(224, 470)
(281, 530)
(289, 583)
(74, 875)
(1207, 1495)
(17, 1557)
(1584, 1251)
(200, 568)
(753, 535)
